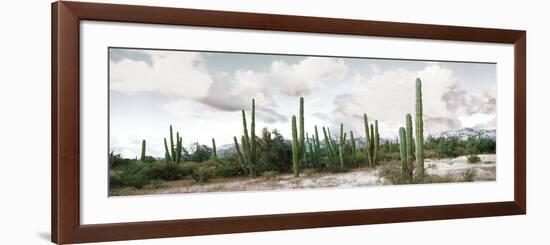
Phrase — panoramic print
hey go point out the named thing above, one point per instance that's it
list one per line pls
(198, 122)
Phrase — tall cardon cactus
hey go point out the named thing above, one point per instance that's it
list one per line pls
(295, 149)
(143, 144)
(214, 154)
(302, 133)
(419, 130)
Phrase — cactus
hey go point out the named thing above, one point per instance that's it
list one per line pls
(253, 140)
(239, 155)
(419, 130)
(178, 148)
(367, 140)
(317, 148)
(341, 145)
(143, 143)
(311, 154)
(246, 146)
(403, 151)
(376, 142)
(352, 145)
(302, 139)
(167, 157)
(328, 146)
(295, 149)
(172, 147)
(409, 146)
(245, 153)
(214, 154)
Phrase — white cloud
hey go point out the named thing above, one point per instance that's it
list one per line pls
(389, 96)
(172, 73)
(308, 74)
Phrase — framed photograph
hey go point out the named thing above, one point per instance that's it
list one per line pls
(177, 122)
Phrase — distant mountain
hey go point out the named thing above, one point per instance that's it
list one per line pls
(466, 133)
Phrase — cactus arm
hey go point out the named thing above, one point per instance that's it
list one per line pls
(302, 140)
(409, 145)
(239, 154)
(166, 152)
(403, 151)
(214, 154)
(295, 149)
(367, 140)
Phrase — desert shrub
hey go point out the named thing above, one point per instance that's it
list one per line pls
(469, 175)
(200, 153)
(309, 172)
(474, 159)
(157, 183)
(116, 161)
(336, 168)
(203, 173)
(226, 166)
(391, 173)
(161, 170)
(187, 168)
(269, 174)
(132, 176)
(274, 154)
(149, 159)
(386, 156)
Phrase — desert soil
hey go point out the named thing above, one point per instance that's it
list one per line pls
(449, 167)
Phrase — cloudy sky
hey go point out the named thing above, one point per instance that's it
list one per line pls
(202, 93)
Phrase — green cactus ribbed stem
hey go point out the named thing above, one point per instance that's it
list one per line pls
(214, 154)
(311, 151)
(245, 155)
(403, 151)
(302, 131)
(419, 130)
(253, 140)
(166, 152)
(178, 148)
(239, 154)
(341, 145)
(367, 140)
(409, 145)
(143, 143)
(352, 145)
(172, 146)
(246, 146)
(376, 142)
(295, 149)
(371, 144)
(328, 147)
(317, 148)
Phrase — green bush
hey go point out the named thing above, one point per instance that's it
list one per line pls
(187, 168)
(157, 183)
(226, 166)
(309, 172)
(469, 175)
(269, 174)
(474, 159)
(132, 176)
(203, 173)
(149, 159)
(161, 170)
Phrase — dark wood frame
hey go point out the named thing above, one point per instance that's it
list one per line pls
(66, 227)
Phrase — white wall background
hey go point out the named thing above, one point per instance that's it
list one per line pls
(25, 121)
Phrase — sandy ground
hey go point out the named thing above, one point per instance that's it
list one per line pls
(485, 171)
